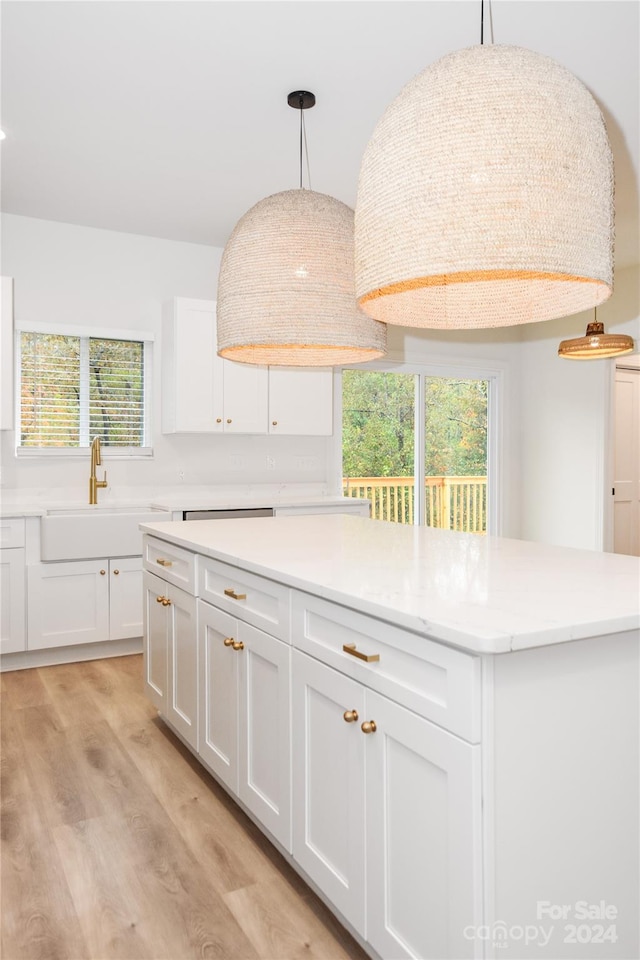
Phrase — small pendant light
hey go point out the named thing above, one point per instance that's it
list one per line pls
(286, 290)
(485, 196)
(596, 344)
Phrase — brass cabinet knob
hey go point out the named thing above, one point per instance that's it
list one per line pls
(160, 599)
(350, 716)
(238, 645)
(228, 421)
(274, 423)
(166, 602)
(218, 419)
(369, 726)
(116, 572)
(102, 573)
(228, 641)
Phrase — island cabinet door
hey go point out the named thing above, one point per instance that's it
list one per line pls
(218, 692)
(182, 665)
(265, 730)
(155, 627)
(328, 784)
(423, 837)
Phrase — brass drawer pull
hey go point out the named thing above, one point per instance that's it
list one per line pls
(350, 716)
(164, 563)
(238, 645)
(350, 648)
(369, 726)
(228, 641)
(230, 592)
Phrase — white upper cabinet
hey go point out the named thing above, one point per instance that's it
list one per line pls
(201, 393)
(301, 401)
(6, 353)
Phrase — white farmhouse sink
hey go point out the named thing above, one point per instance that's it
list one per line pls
(92, 531)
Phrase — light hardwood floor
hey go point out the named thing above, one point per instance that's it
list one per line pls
(117, 844)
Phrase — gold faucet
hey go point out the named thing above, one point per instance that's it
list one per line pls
(96, 460)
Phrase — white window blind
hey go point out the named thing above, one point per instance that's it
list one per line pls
(75, 388)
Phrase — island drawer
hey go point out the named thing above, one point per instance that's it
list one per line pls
(12, 532)
(257, 600)
(171, 563)
(433, 680)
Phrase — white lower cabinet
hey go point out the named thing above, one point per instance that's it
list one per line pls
(171, 655)
(84, 601)
(387, 822)
(245, 715)
(13, 593)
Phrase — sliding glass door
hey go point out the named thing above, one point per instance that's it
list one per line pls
(416, 445)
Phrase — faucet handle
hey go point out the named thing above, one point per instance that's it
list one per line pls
(103, 482)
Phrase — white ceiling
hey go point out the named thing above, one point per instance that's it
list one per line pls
(170, 118)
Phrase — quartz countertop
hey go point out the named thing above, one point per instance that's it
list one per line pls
(482, 594)
(36, 503)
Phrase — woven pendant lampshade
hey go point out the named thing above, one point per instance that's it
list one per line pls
(485, 196)
(596, 344)
(286, 292)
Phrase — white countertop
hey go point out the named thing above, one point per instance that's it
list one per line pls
(37, 503)
(483, 594)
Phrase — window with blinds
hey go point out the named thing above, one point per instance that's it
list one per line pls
(75, 388)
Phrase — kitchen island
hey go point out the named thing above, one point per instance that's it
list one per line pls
(439, 730)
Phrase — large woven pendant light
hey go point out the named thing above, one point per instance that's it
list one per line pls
(596, 344)
(286, 291)
(485, 196)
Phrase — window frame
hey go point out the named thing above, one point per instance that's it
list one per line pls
(146, 337)
(493, 371)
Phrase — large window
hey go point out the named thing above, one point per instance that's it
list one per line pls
(417, 446)
(74, 388)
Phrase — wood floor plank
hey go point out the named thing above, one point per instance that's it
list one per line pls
(114, 917)
(118, 845)
(39, 921)
(114, 692)
(200, 809)
(279, 924)
(67, 689)
(61, 792)
(23, 688)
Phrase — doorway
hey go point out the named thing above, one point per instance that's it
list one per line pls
(416, 445)
(626, 458)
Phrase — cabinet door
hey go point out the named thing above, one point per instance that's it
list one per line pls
(423, 836)
(155, 627)
(12, 608)
(218, 693)
(6, 356)
(245, 389)
(191, 394)
(328, 784)
(68, 603)
(125, 598)
(265, 730)
(301, 401)
(182, 666)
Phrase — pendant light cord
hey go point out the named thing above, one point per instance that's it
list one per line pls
(482, 21)
(303, 135)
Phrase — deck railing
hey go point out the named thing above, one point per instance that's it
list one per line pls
(451, 503)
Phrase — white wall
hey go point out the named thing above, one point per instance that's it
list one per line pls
(565, 423)
(65, 274)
